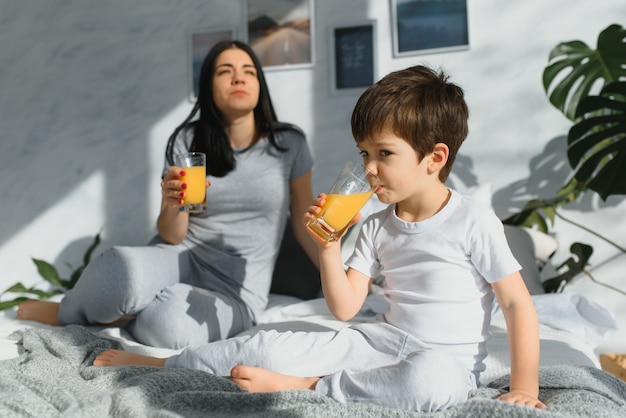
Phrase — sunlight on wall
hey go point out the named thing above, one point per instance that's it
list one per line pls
(157, 141)
(83, 213)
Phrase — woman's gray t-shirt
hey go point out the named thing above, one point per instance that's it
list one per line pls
(234, 245)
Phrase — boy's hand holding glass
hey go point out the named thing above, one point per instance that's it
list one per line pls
(350, 191)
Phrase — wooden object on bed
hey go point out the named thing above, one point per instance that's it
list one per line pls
(614, 364)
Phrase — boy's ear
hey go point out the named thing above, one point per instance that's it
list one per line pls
(439, 156)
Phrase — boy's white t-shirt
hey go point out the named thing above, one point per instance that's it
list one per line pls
(438, 273)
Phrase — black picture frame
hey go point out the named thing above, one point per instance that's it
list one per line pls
(353, 57)
(429, 26)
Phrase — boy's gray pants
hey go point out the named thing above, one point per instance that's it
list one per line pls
(373, 362)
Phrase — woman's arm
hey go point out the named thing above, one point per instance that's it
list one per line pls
(172, 224)
(523, 334)
(301, 198)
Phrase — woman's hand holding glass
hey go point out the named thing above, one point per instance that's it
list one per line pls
(173, 188)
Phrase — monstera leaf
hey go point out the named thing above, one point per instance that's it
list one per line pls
(574, 68)
(597, 143)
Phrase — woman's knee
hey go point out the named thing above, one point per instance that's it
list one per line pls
(182, 315)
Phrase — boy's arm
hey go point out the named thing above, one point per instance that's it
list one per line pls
(523, 334)
(344, 291)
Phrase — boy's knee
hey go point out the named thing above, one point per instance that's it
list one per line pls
(436, 378)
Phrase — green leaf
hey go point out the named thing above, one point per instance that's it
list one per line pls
(51, 275)
(11, 303)
(92, 247)
(16, 288)
(20, 288)
(69, 284)
(535, 213)
(597, 143)
(48, 272)
(574, 68)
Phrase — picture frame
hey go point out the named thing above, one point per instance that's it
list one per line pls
(200, 43)
(429, 26)
(281, 32)
(353, 57)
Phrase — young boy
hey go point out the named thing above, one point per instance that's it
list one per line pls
(443, 256)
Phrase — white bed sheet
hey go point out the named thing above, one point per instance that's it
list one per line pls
(570, 328)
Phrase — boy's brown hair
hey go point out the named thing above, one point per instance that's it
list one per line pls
(418, 105)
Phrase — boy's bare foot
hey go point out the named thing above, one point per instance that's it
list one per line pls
(40, 311)
(258, 379)
(125, 358)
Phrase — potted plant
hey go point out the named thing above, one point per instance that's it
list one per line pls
(51, 275)
(589, 87)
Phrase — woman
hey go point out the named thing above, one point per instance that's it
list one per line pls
(206, 276)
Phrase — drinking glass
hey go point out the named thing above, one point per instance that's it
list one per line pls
(194, 166)
(350, 191)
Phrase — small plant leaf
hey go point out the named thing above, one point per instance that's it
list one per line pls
(16, 288)
(48, 272)
(11, 303)
(536, 214)
(92, 247)
(69, 284)
(20, 288)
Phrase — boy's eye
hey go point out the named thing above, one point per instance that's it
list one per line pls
(385, 153)
(363, 153)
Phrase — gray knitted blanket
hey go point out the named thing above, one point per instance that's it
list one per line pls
(53, 377)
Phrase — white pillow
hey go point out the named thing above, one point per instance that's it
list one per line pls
(532, 249)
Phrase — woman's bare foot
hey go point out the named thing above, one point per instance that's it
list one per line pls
(258, 379)
(40, 311)
(118, 322)
(125, 358)
(46, 312)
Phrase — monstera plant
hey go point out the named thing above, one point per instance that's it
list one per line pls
(589, 87)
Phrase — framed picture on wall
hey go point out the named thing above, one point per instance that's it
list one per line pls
(281, 32)
(428, 26)
(200, 42)
(353, 57)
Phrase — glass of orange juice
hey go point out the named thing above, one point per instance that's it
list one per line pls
(194, 166)
(352, 188)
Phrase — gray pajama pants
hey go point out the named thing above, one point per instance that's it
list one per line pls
(373, 363)
(162, 288)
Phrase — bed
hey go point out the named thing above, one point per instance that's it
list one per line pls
(46, 371)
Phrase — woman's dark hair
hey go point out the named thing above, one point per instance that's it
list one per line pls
(209, 135)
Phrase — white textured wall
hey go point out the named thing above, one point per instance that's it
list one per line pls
(90, 91)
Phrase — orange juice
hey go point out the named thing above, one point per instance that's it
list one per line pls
(339, 209)
(337, 213)
(195, 177)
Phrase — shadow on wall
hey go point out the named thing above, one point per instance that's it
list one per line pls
(549, 171)
(462, 176)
